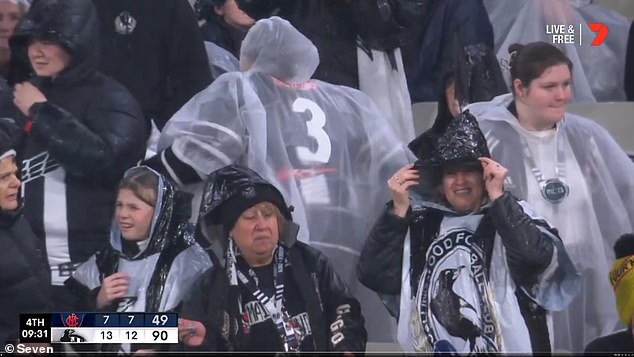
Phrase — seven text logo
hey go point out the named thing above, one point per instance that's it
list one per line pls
(601, 31)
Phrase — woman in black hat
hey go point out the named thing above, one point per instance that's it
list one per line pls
(476, 262)
(271, 292)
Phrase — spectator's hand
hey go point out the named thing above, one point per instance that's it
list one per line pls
(191, 332)
(113, 287)
(494, 176)
(25, 95)
(406, 177)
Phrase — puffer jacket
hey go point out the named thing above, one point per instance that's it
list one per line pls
(87, 133)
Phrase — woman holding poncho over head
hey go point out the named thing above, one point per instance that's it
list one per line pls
(476, 269)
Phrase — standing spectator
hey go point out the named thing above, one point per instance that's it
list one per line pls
(358, 43)
(24, 277)
(622, 281)
(79, 131)
(326, 147)
(155, 49)
(477, 271)
(10, 13)
(572, 171)
(272, 292)
(152, 259)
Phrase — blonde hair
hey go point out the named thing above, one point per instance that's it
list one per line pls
(143, 184)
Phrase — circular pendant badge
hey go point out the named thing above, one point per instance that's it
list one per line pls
(124, 23)
(555, 191)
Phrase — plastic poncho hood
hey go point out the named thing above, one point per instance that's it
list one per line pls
(274, 47)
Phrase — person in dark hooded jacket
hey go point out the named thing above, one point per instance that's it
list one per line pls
(451, 33)
(478, 271)
(270, 292)
(24, 284)
(152, 259)
(79, 131)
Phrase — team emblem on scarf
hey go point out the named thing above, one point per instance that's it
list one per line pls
(453, 301)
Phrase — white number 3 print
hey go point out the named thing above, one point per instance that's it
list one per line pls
(315, 127)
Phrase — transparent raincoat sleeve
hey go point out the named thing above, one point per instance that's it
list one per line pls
(209, 132)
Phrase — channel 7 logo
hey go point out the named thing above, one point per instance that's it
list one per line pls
(601, 31)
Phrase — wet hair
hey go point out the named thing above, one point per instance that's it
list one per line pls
(530, 61)
(143, 184)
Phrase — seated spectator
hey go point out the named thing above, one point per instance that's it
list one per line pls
(24, 277)
(271, 293)
(622, 281)
(326, 147)
(78, 132)
(152, 259)
(478, 271)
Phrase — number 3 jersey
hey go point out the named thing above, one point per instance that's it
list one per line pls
(326, 147)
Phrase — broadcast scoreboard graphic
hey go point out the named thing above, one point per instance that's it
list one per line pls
(79, 327)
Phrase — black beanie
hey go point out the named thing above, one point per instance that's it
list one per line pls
(247, 198)
(624, 246)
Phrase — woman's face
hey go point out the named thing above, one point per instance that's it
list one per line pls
(133, 216)
(9, 184)
(48, 58)
(545, 98)
(463, 189)
(256, 233)
(9, 16)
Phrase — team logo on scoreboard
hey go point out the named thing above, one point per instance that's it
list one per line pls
(71, 336)
(72, 320)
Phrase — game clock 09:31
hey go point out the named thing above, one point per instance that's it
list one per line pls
(35, 328)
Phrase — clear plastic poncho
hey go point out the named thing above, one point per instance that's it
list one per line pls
(166, 264)
(326, 147)
(598, 71)
(598, 209)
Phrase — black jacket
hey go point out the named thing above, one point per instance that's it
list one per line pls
(311, 286)
(616, 343)
(90, 126)
(24, 277)
(162, 62)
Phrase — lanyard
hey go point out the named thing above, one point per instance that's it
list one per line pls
(553, 190)
(273, 306)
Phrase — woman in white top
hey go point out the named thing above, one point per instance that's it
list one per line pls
(572, 172)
